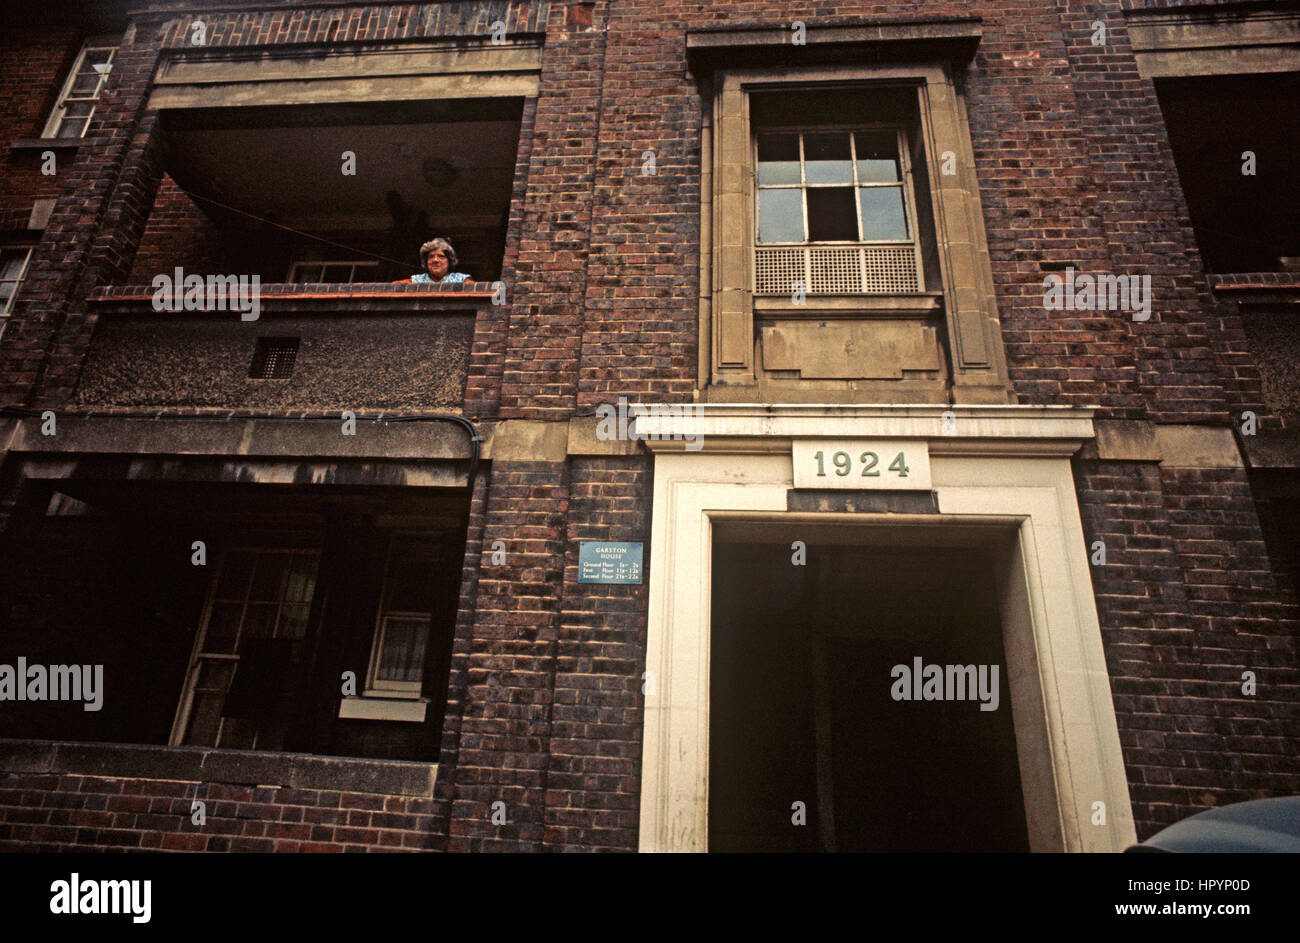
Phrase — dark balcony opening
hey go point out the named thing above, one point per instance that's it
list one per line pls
(1244, 222)
(1277, 502)
(250, 646)
(333, 193)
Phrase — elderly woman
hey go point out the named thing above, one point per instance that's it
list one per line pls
(438, 258)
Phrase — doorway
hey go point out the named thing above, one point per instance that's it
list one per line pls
(859, 700)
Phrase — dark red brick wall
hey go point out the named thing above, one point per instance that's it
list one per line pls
(602, 272)
(552, 670)
(51, 812)
(508, 661)
(178, 233)
(1188, 600)
(92, 234)
(594, 768)
(34, 63)
(1071, 155)
(1072, 158)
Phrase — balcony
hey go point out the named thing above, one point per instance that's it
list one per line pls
(363, 346)
(324, 207)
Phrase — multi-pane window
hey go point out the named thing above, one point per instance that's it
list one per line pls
(405, 613)
(831, 186)
(13, 269)
(333, 272)
(76, 105)
(844, 187)
(248, 649)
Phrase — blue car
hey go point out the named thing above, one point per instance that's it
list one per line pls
(1261, 825)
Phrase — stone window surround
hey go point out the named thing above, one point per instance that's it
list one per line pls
(1003, 485)
(726, 276)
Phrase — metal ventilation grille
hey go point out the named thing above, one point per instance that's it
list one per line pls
(779, 270)
(836, 271)
(887, 269)
(273, 358)
(858, 270)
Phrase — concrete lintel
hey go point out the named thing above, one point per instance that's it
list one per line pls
(954, 427)
(1124, 440)
(1174, 445)
(583, 439)
(249, 471)
(522, 440)
(271, 438)
(332, 91)
(1213, 40)
(1197, 447)
(885, 30)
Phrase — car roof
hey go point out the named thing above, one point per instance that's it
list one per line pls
(1260, 825)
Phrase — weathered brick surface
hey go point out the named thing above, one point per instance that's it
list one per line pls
(177, 234)
(593, 776)
(34, 63)
(89, 813)
(602, 274)
(92, 233)
(509, 662)
(1188, 602)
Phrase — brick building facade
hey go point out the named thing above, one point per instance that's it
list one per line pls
(329, 556)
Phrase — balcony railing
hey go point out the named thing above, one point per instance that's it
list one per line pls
(318, 296)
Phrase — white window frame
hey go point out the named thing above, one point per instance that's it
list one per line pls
(375, 687)
(292, 277)
(9, 303)
(55, 122)
(197, 655)
(803, 186)
(905, 180)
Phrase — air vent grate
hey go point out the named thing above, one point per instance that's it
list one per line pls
(273, 358)
(855, 270)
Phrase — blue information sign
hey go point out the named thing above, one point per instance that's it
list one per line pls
(607, 562)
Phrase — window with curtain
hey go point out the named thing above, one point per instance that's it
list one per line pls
(405, 613)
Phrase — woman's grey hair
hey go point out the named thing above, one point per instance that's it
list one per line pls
(442, 244)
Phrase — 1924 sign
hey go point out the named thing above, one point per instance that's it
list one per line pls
(870, 464)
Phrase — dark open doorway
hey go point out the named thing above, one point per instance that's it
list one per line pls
(803, 705)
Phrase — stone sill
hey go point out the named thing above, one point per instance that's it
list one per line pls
(45, 144)
(233, 767)
(817, 306)
(378, 707)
